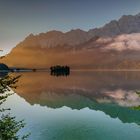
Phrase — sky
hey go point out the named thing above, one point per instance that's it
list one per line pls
(19, 18)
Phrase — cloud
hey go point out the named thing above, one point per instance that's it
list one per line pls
(121, 42)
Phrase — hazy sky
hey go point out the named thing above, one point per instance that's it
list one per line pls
(19, 18)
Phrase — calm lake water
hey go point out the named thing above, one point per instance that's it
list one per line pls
(82, 106)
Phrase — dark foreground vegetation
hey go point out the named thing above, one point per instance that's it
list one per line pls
(9, 126)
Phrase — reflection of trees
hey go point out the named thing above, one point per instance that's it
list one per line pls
(9, 127)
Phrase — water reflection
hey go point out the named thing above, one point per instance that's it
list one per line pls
(110, 92)
(103, 87)
(82, 106)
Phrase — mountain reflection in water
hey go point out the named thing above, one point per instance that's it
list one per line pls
(110, 92)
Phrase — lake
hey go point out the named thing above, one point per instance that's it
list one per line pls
(83, 106)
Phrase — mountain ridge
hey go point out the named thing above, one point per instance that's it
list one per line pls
(113, 49)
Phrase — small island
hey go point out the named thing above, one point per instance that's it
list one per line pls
(60, 70)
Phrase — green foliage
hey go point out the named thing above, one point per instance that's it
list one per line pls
(138, 93)
(8, 82)
(136, 107)
(9, 127)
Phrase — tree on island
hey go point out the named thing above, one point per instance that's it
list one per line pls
(60, 70)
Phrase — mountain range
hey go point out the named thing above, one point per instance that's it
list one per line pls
(116, 45)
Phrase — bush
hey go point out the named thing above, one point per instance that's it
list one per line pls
(9, 127)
